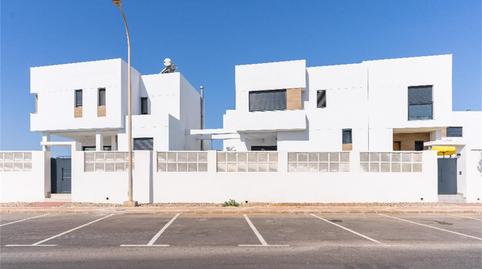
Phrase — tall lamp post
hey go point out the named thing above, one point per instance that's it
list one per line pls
(130, 201)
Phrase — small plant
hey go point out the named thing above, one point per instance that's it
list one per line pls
(231, 202)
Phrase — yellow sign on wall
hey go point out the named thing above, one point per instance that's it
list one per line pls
(445, 150)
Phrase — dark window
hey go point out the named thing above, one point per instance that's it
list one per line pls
(78, 98)
(321, 99)
(145, 143)
(264, 148)
(420, 103)
(88, 148)
(144, 109)
(267, 100)
(454, 131)
(346, 136)
(107, 148)
(418, 145)
(101, 97)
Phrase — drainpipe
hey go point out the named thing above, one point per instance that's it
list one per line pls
(201, 88)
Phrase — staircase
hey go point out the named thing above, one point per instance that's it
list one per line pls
(451, 198)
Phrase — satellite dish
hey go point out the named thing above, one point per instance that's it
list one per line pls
(169, 66)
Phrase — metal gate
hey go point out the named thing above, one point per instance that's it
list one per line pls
(447, 176)
(60, 175)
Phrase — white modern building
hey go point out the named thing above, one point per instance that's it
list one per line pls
(87, 103)
(374, 106)
(375, 131)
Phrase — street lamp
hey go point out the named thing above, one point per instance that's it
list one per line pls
(130, 201)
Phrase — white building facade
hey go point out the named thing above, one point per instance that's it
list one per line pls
(374, 106)
(87, 103)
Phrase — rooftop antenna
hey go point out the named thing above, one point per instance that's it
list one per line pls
(169, 66)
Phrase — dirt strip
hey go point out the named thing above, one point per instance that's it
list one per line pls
(247, 208)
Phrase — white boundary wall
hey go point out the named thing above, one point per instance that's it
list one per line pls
(170, 185)
(299, 187)
(474, 176)
(27, 184)
(111, 187)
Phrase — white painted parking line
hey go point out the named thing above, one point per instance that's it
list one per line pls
(40, 243)
(17, 221)
(464, 217)
(431, 227)
(156, 236)
(258, 235)
(349, 230)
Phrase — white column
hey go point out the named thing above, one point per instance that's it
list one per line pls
(99, 143)
(45, 139)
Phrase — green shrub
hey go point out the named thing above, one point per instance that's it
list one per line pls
(231, 202)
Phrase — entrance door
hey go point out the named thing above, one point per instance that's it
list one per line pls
(447, 176)
(61, 176)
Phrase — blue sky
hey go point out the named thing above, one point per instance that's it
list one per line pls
(207, 38)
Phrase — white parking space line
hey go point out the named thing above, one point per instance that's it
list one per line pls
(258, 235)
(432, 227)
(17, 221)
(464, 217)
(349, 230)
(39, 243)
(156, 236)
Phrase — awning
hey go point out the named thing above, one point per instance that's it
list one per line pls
(445, 150)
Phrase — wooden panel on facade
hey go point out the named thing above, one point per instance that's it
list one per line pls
(78, 112)
(406, 141)
(294, 99)
(101, 111)
(347, 147)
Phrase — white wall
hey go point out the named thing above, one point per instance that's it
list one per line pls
(267, 76)
(474, 176)
(111, 187)
(55, 86)
(282, 186)
(27, 186)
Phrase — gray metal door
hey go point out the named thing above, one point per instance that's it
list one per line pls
(447, 176)
(61, 175)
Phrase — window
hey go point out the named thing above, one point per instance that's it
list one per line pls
(267, 100)
(454, 131)
(346, 136)
(420, 104)
(321, 99)
(264, 148)
(101, 97)
(78, 98)
(145, 143)
(418, 145)
(144, 109)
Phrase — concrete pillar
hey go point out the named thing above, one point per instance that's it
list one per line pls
(45, 139)
(212, 161)
(99, 143)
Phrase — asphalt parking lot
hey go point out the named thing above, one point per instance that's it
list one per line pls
(319, 240)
